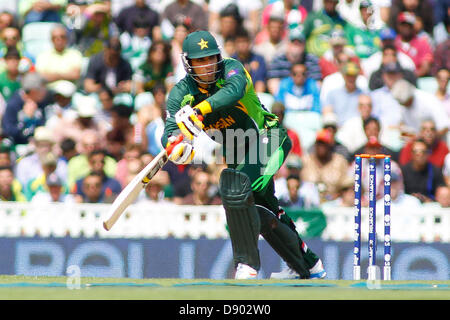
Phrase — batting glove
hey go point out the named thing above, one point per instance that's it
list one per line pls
(188, 122)
(183, 152)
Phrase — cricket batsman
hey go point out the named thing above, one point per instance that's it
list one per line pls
(255, 146)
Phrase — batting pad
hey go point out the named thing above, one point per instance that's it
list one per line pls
(283, 240)
(242, 217)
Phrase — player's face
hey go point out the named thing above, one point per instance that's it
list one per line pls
(205, 68)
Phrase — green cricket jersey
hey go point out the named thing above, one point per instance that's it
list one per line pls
(231, 104)
(364, 41)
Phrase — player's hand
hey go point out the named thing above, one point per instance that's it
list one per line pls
(183, 152)
(188, 122)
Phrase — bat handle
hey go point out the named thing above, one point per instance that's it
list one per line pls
(179, 138)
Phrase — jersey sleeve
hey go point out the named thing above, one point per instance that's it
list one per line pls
(232, 87)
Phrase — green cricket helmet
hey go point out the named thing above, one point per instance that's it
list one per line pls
(200, 44)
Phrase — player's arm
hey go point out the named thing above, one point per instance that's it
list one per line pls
(233, 88)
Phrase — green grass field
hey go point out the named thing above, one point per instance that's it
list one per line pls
(49, 288)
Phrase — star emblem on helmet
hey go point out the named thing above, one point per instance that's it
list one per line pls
(203, 44)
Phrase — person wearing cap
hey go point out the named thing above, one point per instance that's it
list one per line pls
(10, 78)
(332, 59)
(25, 109)
(417, 105)
(387, 38)
(108, 69)
(364, 37)
(254, 63)
(351, 11)
(329, 122)
(30, 166)
(343, 101)
(417, 48)
(324, 167)
(389, 58)
(280, 66)
(221, 92)
(53, 191)
(319, 25)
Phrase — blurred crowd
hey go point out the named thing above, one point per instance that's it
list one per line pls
(83, 86)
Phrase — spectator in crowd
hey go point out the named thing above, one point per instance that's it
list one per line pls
(25, 109)
(200, 186)
(78, 166)
(62, 111)
(68, 149)
(30, 166)
(151, 117)
(331, 60)
(281, 65)
(324, 167)
(274, 44)
(133, 133)
(110, 186)
(374, 62)
(10, 78)
(184, 10)
(230, 22)
(363, 35)
(446, 169)
(420, 8)
(127, 16)
(385, 106)
(417, 105)
(103, 116)
(253, 63)
(6, 155)
(48, 163)
(442, 51)
(154, 191)
(41, 10)
(250, 12)
(399, 199)
(390, 56)
(330, 123)
(336, 80)
(279, 110)
(417, 48)
(421, 177)
(108, 69)
(345, 195)
(442, 92)
(135, 44)
(7, 19)
(181, 30)
(297, 92)
(53, 192)
(437, 147)
(300, 195)
(60, 62)
(319, 25)
(10, 188)
(10, 38)
(115, 143)
(84, 119)
(372, 129)
(131, 153)
(180, 180)
(443, 196)
(92, 190)
(343, 101)
(157, 68)
(96, 29)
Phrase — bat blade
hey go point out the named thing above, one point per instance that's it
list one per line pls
(134, 187)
